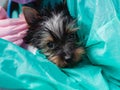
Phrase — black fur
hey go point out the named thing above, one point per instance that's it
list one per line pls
(46, 14)
(55, 23)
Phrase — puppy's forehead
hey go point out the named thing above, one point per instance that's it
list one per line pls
(59, 25)
(55, 25)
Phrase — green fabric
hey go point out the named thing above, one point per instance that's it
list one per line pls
(99, 70)
(102, 20)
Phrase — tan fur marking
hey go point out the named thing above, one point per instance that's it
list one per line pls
(58, 61)
(78, 53)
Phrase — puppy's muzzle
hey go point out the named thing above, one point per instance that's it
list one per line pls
(67, 56)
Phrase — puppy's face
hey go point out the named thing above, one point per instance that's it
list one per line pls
(56, 37)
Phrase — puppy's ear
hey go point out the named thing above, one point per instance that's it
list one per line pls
(31, 15)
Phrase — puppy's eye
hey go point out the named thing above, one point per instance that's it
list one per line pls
(51, 45)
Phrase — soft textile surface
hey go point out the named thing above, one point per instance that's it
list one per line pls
(23, 1)
(99, 70)
(102, 20)
(12, 29)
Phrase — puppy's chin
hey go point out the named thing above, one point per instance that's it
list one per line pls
(58, 61)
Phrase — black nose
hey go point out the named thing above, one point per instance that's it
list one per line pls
(68, 58)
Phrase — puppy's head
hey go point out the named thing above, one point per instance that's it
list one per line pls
(54, 33)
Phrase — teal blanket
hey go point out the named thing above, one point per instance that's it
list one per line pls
(99, 70)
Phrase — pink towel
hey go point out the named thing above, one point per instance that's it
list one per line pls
(12, 29)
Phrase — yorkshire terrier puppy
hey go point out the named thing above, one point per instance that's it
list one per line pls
(54, 32)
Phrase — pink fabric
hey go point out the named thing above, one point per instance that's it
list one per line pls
(23, 1)
(12, 29)
(3, 14)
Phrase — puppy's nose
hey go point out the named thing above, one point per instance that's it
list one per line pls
(68, 59)
(67, 56)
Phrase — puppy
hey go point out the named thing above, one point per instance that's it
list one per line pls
(54, 32)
